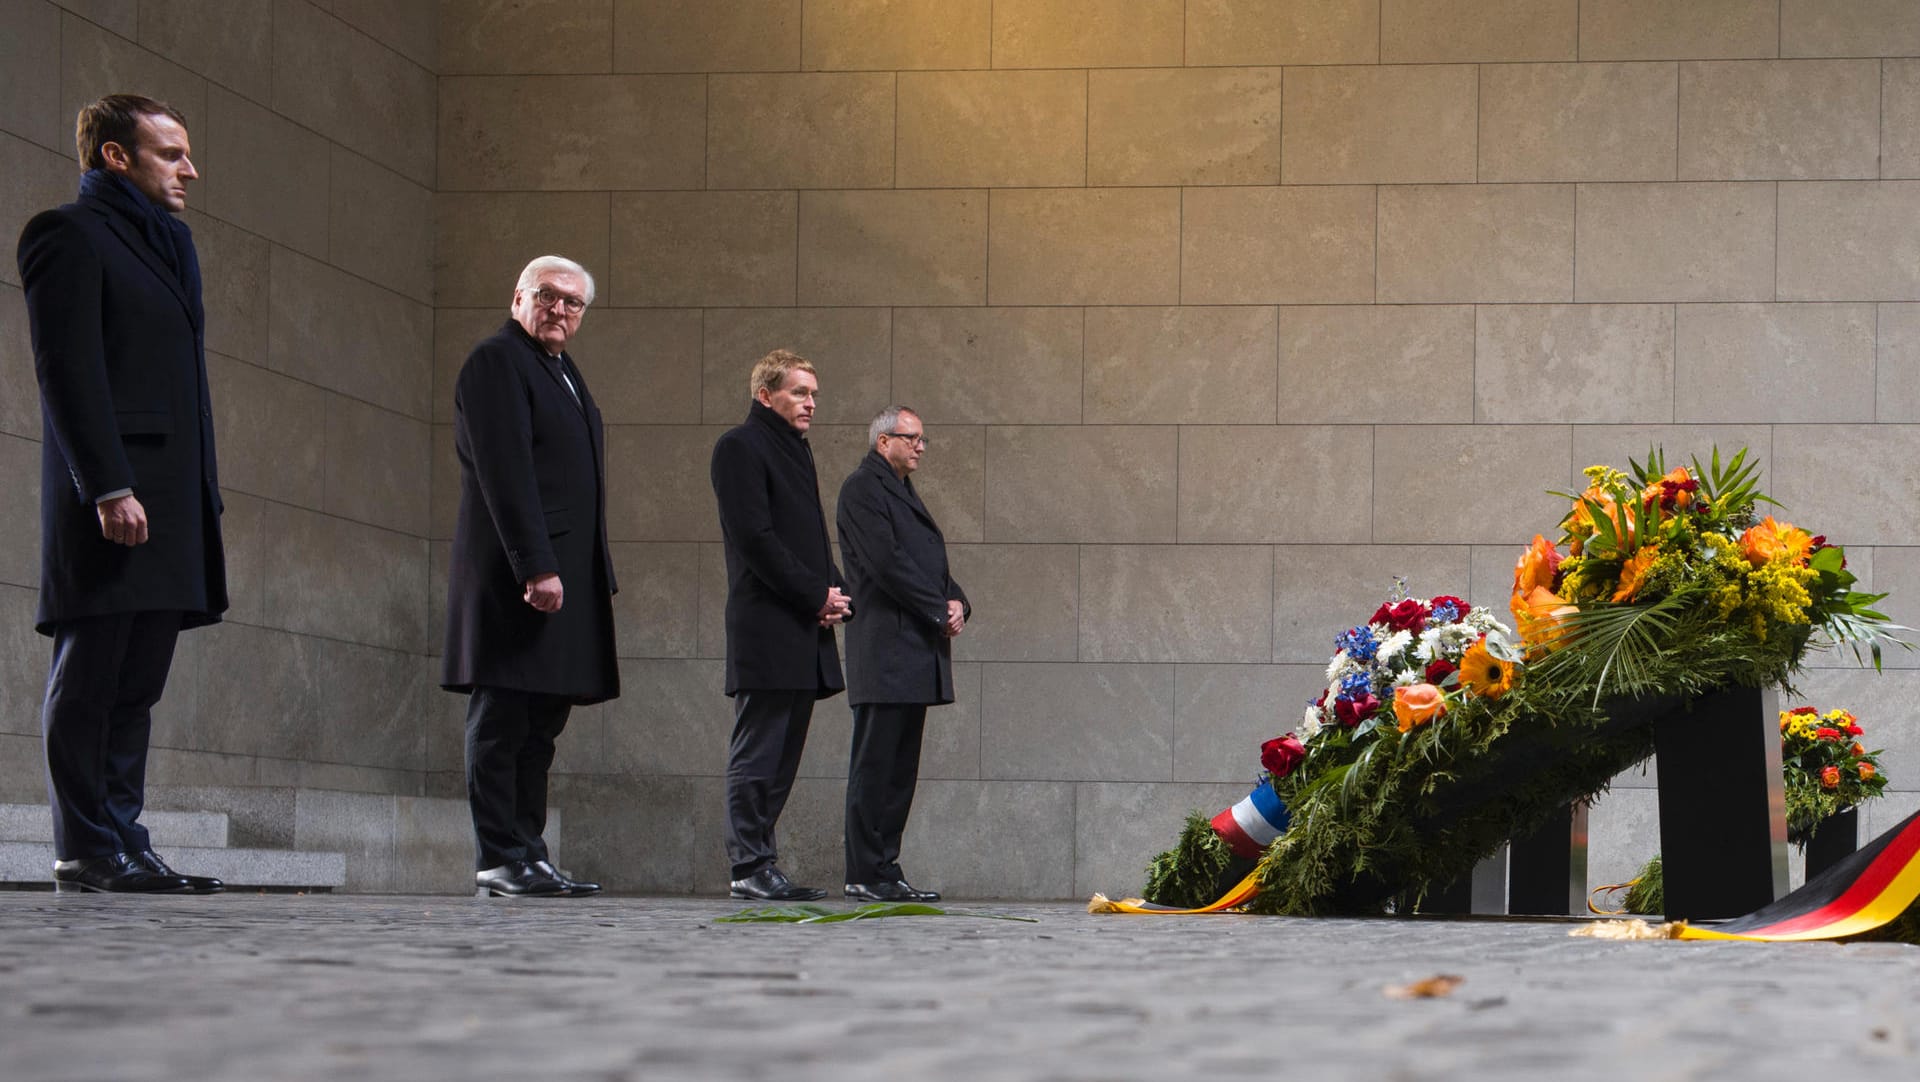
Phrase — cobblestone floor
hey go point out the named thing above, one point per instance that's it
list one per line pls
(289, 987)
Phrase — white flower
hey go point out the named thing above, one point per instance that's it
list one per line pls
(1338, 666)
(1429, 647)
(1409, 678)
(1394, 644)
(1310, 725)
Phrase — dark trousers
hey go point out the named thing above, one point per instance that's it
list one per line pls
(881, 775)
(769, 733)
(107, 673)
(510, 737)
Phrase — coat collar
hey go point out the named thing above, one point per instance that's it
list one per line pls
(552, 365)
(757, 413)
(900, 486)
(130, 236)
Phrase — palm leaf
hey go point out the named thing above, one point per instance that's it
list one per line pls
(1615, 644)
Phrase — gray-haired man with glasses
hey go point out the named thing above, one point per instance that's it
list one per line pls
(899, 653)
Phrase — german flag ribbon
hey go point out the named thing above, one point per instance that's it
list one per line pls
(1866, 890)
(1238, 896)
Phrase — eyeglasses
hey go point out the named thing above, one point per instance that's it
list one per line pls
(547, 298)
(917, 439)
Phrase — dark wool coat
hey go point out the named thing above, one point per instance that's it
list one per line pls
(119, 352)
(896, 561)
(532, 501)
(779, 561)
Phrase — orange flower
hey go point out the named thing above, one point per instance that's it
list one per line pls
(1484, 674)
(1579, 522)
(1867, 771)
(1537, 566)
(1633, 574)
(1772, 540)
(1830, 777)
(1417, 705)
(1857, 750)
(1538, 616)
(1674, 490)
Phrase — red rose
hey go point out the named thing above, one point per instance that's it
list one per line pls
(1280, 755)
(1352, 712)
(1854, 730)
(1803, 710)
(1829, 735)
(1408, 615)
(1439, 669)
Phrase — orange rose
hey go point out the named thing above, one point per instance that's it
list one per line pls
(1538, 616)
(1417, 705)
(1830, 777)
(1772, 540)
(1867, 771)
(1857, 750)
(1537, 566)
(1580, 524)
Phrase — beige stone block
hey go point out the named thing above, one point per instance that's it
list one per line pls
(455, 332)
(23, 667)
(1895, 572)
(1297, 245)
(1675, 242)
(1779, 119)
(119, 16)
(20, 522)
(95, 62)
(1491, 478)
(1026, 601)
(371, 702)
(1375, 363)
(1854, 483)
(1849, 28)
(38, 179)
(345, 580)
(270, 432)
(991, 129)
(950, 746)
(1481, 242)
(1186, 365)
(1573, 363)
(698, 36)
(249, 551)
(1223, 713)
(642, 366)
(1193, 603)
(339, 332)
(528, 37)
(1108, 484)
(412, 30)
(976, 839)
(378, 466)
(233, 285)
(1678, 29)
(1275, 484)
(384, 109)
(1803, 363)
(1379, 125)
(1084, 246)
(893, 247)
(1900, 118)
(1680, 445)
(656, 614)
(227, 41)
(1088, 33)
(952, 480)
(30, 74)
(1079, 722)
(1457, 31)
(837, 451)
(848, 347)
(792, 130)
(710, 249)
(1850, 241)
(264, 173)
(713, 601)
(677, 503)
(381, 226)
(1897, 373)
(573, 132)
(23, 778)
(1119, 828)
(1321, 590)
(1578, 122)
(1282, 32)
(989, 365)
(1183, 126)
(483, 240)
(19, 387)
(896, 35)
(675, 719)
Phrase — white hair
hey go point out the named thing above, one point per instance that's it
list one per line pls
(530, 278)
(884, 424)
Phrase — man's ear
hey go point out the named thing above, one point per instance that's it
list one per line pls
(115, 156)
(762, 396)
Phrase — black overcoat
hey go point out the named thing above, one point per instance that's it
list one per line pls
(532, 501)
(779, 560)
(896, 561)
(119, 352)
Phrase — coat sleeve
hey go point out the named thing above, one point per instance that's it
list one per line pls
(62, 275)
(866, 528)
(489, 401)
(746, 518)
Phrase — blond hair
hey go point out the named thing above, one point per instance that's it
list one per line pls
(770, 372)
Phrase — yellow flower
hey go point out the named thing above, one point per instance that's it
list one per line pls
(1633, 574)
(1484, 674)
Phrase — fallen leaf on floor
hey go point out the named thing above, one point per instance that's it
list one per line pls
(1433, 987)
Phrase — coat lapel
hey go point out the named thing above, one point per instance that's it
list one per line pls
(132, 239)
(899, 488)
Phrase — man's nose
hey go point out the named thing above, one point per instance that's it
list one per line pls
(187, 170)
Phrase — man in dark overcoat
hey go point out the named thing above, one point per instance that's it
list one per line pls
(784, 597)
(130, 549)
(530, 581)
(899, 653)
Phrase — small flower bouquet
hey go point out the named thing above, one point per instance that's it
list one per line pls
(1827, 769)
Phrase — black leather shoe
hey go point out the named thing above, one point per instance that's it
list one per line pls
(918, 894)
(882, 891)
(772, 885)
(120, 873)
(518, 879)
(575, 888)
(196, 884)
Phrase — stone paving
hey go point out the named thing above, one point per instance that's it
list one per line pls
(344, 987)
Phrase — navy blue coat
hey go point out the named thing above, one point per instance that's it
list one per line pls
(779, 560)
(896, 563)
(118, 349)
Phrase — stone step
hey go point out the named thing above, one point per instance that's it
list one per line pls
(169, 829)
(30, 864)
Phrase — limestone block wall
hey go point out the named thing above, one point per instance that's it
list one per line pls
(312, 125)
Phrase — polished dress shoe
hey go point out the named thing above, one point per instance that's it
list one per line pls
(196, 884)
(882, 891)
(120, 873)
(772, 885)
(576, 888)
(518, 879)
(918, 894)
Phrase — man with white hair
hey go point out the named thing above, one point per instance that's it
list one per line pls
(530, 580)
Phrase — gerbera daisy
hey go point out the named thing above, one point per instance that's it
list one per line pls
(1484, 674)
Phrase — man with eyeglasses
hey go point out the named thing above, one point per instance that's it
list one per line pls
(899, 654)
(530, 580)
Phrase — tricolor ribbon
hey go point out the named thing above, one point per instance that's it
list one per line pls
(1251, 825)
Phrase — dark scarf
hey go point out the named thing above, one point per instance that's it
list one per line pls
(168, 236)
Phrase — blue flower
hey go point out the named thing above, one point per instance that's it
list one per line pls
(1358, 642)
(1355, 683)
(1446, 612)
